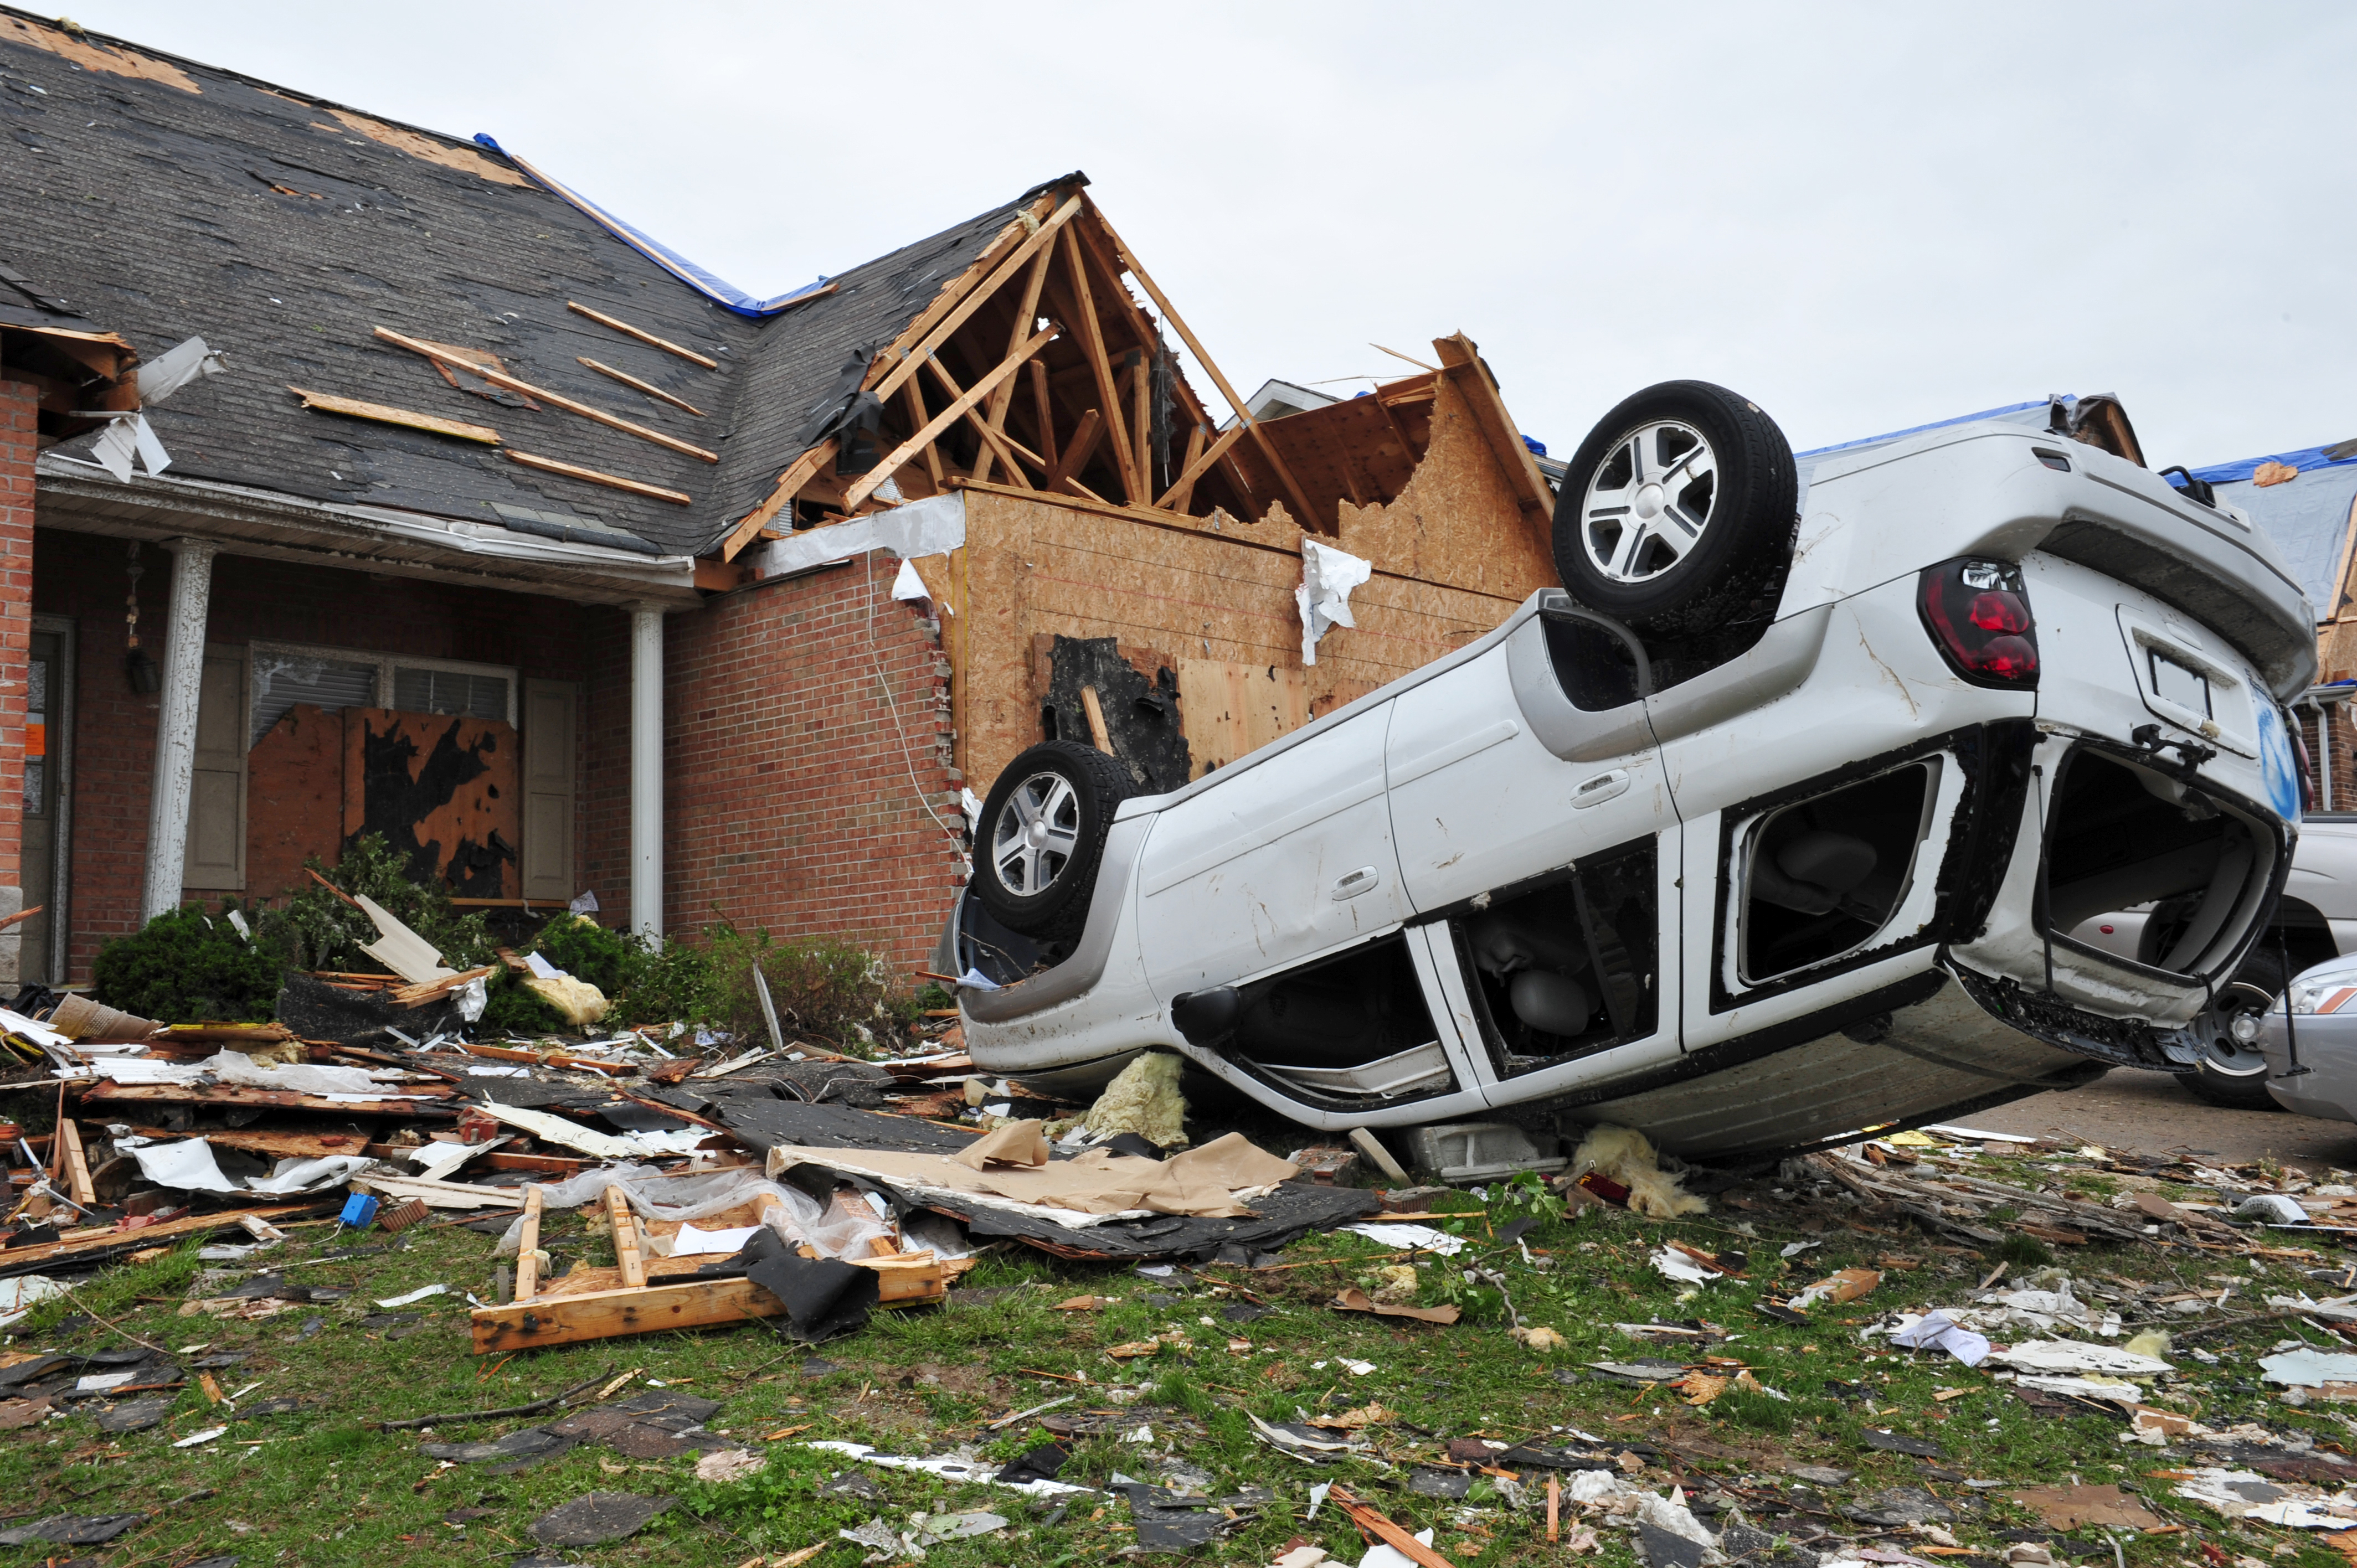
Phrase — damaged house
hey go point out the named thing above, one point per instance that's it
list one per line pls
(359, 479)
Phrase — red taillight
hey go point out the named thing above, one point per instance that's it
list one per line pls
(1979, 615)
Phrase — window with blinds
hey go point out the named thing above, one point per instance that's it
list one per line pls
(283, 680)
(462, 691)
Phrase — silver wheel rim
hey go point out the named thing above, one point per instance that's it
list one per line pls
(1037, 832)
(2227, 1055)
(1649, 501)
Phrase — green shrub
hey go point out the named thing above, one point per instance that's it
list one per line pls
(319, 931)
(676, 981)
(186, 967)
(513, 1008)
(824, 989)
(589, 951)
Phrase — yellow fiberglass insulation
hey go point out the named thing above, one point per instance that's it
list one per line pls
(1144, 1099)
(1625, 1155)
(580, 1002)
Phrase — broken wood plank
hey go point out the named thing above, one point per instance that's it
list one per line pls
(76, 1169)
(1098, 734)
(1374, 1522)
(587, 411)
(943, 420)
(1092, 346)
(604, 1314)
(12, 1262)
(635, 384)
(1044, 411)
(21, 915)
(995, 442)
(914, 391)
(416, 995)
(1182, 489)
(1063, 476)
(594, 477)
(110, 1091)
(527, 1275)
(627, 1256)
(790, 484)
(555, 1059)
(1025, 316)
(627, 330)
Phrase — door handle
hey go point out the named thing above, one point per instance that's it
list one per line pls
(1600, 789)
(1354, 883)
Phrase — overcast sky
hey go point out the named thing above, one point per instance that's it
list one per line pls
(1862, 217)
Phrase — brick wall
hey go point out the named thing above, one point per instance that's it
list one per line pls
(2340, 756)
(19, 447)
(788, 795)
(82, 575)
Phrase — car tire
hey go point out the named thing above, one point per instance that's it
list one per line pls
(1042, 833)
(2237, 1080)
(1676, 515)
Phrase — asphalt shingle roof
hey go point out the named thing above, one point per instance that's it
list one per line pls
(284, 232)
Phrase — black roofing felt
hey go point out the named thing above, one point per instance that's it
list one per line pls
(161, 214)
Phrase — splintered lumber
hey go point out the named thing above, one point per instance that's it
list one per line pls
(635, 384)
(107, 1091)
(19, 1260)
(789, 484)
(558, 399)
(269, 1033)
(648, 338)
(598, 477)
(909, 1280)
(383, 414)
(939, 333)
(627, 1256)
(21, 915)
(555, 1059)
(77, 1169)
(1374, 1522)
(1108, 396)
(527, 1275)
(417, 996)
(948, 416)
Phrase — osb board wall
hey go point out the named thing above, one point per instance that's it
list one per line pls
(294, 798)
(1457, 520)
(1187, 593)
(441, 790)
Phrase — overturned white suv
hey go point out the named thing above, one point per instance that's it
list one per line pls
(1775, 824)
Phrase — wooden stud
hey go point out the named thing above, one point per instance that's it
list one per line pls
(789, 484)
(354, 408)
(1077, 453)
(1098, 734)
(1182, 489)
(527, 1275)
(1141, 424)
(627, 330)
(1176, 497)
(76, 1169)
(635, 384)
(907, 1280)
(943, 421)
(594, 477)
(1093, 343)
(1044, 409)
(611, 421)
(627, 1256)
(1194, 346)
(914, 389)
(1025, 316)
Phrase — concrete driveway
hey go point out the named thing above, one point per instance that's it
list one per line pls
(2147, 1112)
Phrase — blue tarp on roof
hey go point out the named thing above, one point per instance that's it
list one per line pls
(719, 290)
(2306, 516)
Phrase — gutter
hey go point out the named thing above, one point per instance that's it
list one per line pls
(81, 497)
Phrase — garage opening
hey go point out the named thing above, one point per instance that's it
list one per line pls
(1350, 1028)
(1821, 876)
(2121, 836)
(1566, 969)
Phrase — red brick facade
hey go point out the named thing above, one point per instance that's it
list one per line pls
(793, 798)
(19, 406)
(2337, 752)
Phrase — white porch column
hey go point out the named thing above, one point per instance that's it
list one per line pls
(176, 726)
(646, 770)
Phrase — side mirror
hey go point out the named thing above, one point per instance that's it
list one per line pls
(1207, 1018)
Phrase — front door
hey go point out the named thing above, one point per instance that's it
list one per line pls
(38, 955)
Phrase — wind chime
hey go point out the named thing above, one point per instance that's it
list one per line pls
(146, 678)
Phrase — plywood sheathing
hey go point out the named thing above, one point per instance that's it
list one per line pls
(442, 791)
(466, 160)
(75, 46)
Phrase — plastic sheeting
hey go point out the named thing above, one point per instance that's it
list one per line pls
(933, 526)
(796, 1216)
(190, 1166)
(1327, 576)
(713, 287)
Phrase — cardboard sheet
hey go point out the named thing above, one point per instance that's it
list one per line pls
(1209, 1182)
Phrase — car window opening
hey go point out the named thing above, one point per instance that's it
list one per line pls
(1595, 669)
(2121, 836)
(1354, 1026)
(1824, 875)
(1566, 969)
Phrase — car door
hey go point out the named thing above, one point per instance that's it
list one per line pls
(1283, 859)
(1531, 815)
